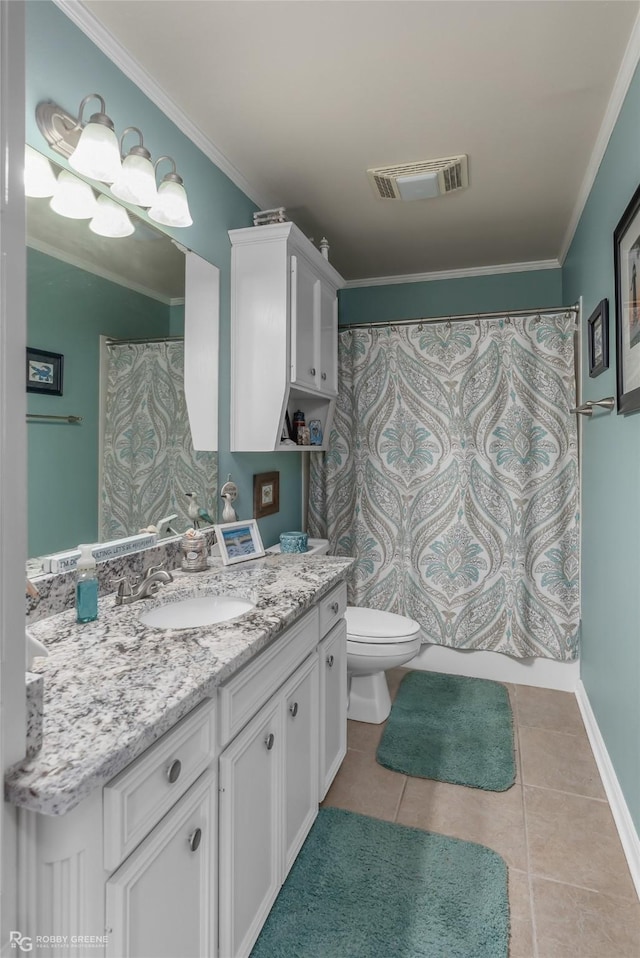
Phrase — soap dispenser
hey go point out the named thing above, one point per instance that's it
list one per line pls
(86, 586)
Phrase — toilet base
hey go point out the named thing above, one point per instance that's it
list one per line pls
(369, 699)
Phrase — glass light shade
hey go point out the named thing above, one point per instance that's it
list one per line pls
(97, 154)
(136, 182)
(73, 197)
(39, 178)
(110, 219)
(171, 208)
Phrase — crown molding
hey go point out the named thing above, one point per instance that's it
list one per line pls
(123, 59)
(619, 92)
(454, 273)
(74, 260)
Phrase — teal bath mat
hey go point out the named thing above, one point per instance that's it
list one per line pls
(362, 888)
(452, 729)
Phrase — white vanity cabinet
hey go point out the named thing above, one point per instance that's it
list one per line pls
(184, 852)
(284, 322)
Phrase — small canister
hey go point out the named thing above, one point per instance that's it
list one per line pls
(194, 551)
(293, 542)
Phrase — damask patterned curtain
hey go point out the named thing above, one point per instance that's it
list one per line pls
(148, 458)
(452, 477)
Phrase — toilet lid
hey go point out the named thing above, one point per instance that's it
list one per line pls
(372, 625)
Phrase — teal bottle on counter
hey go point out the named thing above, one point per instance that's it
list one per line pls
(86, 586)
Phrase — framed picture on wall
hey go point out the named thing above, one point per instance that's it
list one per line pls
(44, 372)
(266, 494)
(598, 339)
(626, 258)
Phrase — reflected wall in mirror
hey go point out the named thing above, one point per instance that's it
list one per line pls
(133, 444)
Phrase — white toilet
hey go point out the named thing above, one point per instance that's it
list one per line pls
(376, 641)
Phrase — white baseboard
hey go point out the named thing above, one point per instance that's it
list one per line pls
(619, 808)
(480, 664)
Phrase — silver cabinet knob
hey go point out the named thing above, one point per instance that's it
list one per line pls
(293, 709)
(270, 739)
(195, 839)
(334, 607)
(330, 661)
(173, 772)
(324, 376)
(312, 371)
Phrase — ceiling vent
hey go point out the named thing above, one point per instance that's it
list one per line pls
(422, 180)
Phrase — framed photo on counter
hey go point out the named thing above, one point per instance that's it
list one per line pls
(239, 541)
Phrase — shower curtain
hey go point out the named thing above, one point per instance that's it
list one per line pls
(452, 477)
(148, 459)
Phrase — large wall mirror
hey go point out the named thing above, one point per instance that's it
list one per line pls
(139, 344)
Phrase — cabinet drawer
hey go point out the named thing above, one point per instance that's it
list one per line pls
(332, 608)
(136, 799)
(246, 692)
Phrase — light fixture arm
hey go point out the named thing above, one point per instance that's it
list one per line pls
(173, 176)
(139, 149)
(100, 117)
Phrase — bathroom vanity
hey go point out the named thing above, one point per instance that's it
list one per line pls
(181, 769)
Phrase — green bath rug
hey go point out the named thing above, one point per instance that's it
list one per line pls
(363, 888)
(452, 729)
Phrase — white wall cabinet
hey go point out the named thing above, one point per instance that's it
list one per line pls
(184, 852)
(284, 322)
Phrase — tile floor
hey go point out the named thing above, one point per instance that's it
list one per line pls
(570, 890)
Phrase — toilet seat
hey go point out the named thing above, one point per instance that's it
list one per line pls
(372, 626)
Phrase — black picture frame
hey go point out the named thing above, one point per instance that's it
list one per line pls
(44, 372)
(598, 339)
(626, 260)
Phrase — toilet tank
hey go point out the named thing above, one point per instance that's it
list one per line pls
(314, 547)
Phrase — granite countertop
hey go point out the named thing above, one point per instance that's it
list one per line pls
(112, 687)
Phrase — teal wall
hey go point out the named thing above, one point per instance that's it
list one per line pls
(64, 65)
(443, 297)
(611, 474)
(68, 309)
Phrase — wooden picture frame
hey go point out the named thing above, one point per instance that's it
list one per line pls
(44, 372)
(598, 339)
(626, 259)
(239, 541)
(266, 494)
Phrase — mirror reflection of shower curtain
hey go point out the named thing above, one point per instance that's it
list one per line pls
(452, 477)
(148, 460)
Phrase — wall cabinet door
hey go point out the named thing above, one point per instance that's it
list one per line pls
(333, 704)
(300, 725)
(249, 830)
(328, 348)
(305, 306)
(161, 902)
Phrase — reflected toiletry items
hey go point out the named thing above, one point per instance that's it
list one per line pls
(86, 586)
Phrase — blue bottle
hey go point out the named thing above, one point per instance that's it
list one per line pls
(86, 586)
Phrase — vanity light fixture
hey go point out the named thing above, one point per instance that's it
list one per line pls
(39, 178)
(110, 219)
(171, 207)
(136, 181)
(73, 197)
(93, 151)
(97, 154)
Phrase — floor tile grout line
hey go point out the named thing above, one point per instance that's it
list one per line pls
(534, 933)
(560, 791)
(404, 788)
(594, 891)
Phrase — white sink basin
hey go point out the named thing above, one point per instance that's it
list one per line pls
(199, 610)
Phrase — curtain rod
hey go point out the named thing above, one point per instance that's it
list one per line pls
(156, 339)
(464, 317)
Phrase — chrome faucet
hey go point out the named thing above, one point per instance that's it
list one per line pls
(153, 578)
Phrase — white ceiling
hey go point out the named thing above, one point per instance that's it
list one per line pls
(302, 97)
